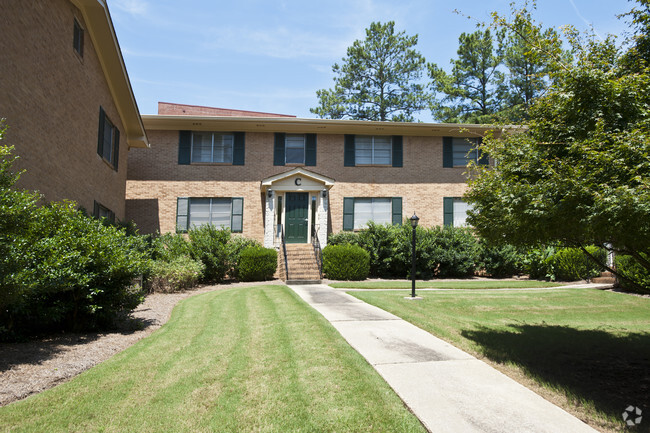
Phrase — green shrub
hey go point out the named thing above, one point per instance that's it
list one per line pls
(234, 247)
(344, 238)
(631, 269)
(178, 274)
(208, 245)
(500, 261)
(346, 262)
(571, 264)
(257, 263)
(170, 246)
(538, 263)
(381, 242)
(78, 272)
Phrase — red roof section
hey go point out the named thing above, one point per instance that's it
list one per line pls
(171, 109)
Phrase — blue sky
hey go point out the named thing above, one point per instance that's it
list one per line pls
(272, 56)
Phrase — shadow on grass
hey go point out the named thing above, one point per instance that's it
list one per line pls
(610, 370)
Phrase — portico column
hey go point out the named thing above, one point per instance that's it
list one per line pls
(269, 219)
(322, 218)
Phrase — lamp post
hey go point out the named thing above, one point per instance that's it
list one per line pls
(414, 223)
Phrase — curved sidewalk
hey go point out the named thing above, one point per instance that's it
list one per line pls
(446, 388)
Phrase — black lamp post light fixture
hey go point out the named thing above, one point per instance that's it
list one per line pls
(414, 223)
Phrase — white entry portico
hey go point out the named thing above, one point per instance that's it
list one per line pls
(297, 203)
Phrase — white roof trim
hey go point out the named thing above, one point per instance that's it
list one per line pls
(328, 182)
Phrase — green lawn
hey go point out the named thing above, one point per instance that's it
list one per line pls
(238, 360)
(587, 350)
(433, 284)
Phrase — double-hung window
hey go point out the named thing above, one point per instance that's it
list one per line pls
(100, 211)
(78, 38)
(108, 141)
(455, 211)
(365, 150)
(459, 151)
(373, 150)
(358, 211)
(221, 212)
(294, 149)
(212, 147)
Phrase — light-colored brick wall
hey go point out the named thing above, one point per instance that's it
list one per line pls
(155, 180)
(51, 98)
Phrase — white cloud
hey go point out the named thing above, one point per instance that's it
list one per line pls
(133, 7)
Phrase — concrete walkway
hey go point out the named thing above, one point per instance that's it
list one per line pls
(446, 388)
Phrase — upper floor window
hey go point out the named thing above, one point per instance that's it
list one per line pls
(373, 150)
(78, 38)
(459, 151)
(212, 147)
(108, 142)
(294, 149)
(370, 150)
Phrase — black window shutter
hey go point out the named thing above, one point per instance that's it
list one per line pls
(95, 209)
(397, 211)
(348, 155)
(116, 149)
(447, 152)
(239, 148)
(100, 134)
(310, 149)
(278, 149)
(348, 213)
(483, 157)
(397, 150)
(184, 147)
(448, 210)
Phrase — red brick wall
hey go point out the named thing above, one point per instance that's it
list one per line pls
(155, 177)
(51, 97)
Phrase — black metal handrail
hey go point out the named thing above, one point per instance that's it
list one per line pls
(318, 252)
(284, 251)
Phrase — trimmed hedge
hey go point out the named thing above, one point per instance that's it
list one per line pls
(257, 263)
(571, 264)
(208, 245)
(630, 268)
(346, 262)
(178, 274)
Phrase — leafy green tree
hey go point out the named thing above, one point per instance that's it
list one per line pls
(469, 93)
(378, 79)
(638, 56)
(527, 67)
(16, 208)
(580, 172)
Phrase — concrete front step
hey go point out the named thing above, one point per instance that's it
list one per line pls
(302, 282)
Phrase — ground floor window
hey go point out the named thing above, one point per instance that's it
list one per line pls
(100, 211)
(455, 211)
(358, 211)
(222, 212)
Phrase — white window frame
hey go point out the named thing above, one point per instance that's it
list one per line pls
(469, 151)
(374, 204)
(226, 157)
(294, 139)
(373, 149)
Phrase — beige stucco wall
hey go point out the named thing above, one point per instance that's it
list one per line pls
(155, 180)
(50, 97)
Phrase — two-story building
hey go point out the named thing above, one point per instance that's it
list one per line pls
(260, 176)
(68, 102)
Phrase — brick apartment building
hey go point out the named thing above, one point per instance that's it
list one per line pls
(258, 173)
(67, 100)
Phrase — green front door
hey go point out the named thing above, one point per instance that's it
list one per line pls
(295, 217)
